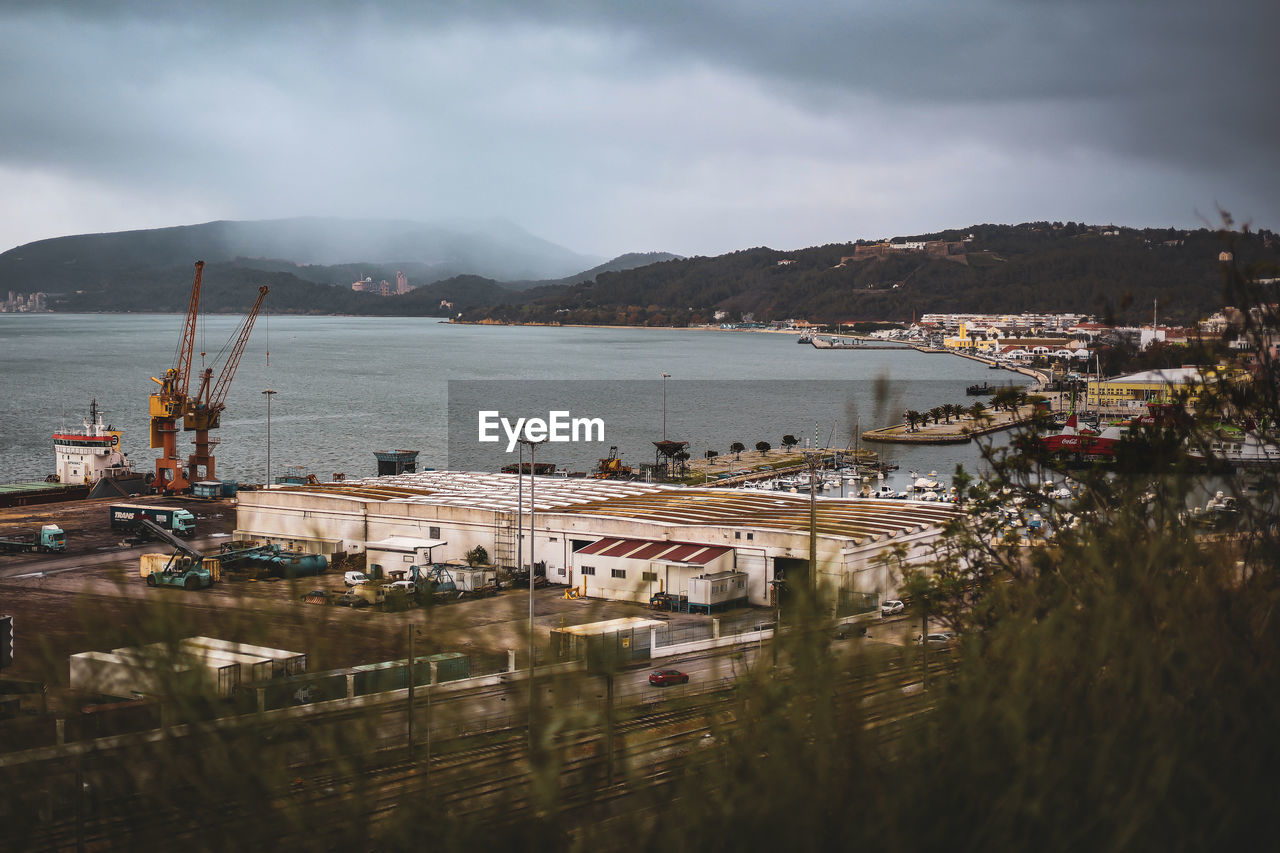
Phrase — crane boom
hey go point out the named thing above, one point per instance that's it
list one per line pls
(204, 411)
(218, 397)
(183, 366)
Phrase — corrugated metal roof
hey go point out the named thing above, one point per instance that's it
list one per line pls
(472, 489)
(609, 626)
(858, 519)
(668, 552)
(613, 547)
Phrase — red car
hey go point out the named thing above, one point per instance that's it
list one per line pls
(663, 677)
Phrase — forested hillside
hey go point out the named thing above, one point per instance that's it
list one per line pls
(1114, 273)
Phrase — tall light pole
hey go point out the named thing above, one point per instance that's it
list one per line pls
(812, 460)
(533, 467)
(269, 394)
(520, 511)
(665, 377)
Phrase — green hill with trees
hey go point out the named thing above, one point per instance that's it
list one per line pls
(1114, 273)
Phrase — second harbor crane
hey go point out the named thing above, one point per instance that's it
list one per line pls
(204, 410)
(200, 412)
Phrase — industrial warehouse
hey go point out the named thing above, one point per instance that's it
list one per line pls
(614, 540)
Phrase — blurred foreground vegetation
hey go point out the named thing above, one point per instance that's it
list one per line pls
(1112, 689)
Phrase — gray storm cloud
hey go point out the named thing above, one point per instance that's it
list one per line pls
(693, 127)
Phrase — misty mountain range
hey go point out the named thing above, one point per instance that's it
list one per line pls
(494, 271)
(309, 264)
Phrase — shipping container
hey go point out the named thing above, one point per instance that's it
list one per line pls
(450, 666)
(303, 689)
(283, 662)
(127, 674)
(116, 718)
(380, 677)
(717, 589)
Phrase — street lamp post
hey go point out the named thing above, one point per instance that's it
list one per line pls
(533, 467)
(268, 394)
(520, 511)
(665, 377)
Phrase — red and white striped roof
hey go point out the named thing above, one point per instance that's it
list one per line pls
(648, 549)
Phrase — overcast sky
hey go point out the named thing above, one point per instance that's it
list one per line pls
(696, 127)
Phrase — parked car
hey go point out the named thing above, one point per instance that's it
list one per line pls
(844, 632)
(408, 586)
(892, 607)
(349, 599)
(355, 578)
(663, 677)
(941, 638)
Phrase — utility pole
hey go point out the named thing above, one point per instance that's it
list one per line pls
(812, 459)
(412, 661)
(924, 644)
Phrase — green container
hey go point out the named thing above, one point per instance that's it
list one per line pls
(380, 677)
(304, 689)
(450, 666)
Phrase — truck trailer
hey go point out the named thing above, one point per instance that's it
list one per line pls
(130, 516)
(49, 539)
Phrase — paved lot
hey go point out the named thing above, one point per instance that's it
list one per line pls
(93, 598)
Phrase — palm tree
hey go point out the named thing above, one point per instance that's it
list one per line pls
(914, 417)
(1005, 398)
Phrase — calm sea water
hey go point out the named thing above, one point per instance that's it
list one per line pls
(348, 386)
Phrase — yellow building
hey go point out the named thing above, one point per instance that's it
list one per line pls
(983, 342)
(1137, 389)
(991, 341)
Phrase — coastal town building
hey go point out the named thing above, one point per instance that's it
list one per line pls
(992, 342)
(24, 303)
(1007, 323)
(1135, 390)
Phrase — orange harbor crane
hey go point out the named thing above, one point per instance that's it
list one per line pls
(170, 402)
(204, 411)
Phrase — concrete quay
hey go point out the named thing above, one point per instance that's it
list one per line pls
(959, 431)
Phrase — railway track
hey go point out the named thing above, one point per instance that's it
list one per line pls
(492, 780)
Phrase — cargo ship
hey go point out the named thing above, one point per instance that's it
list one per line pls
(87, 463)
(90, 455)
